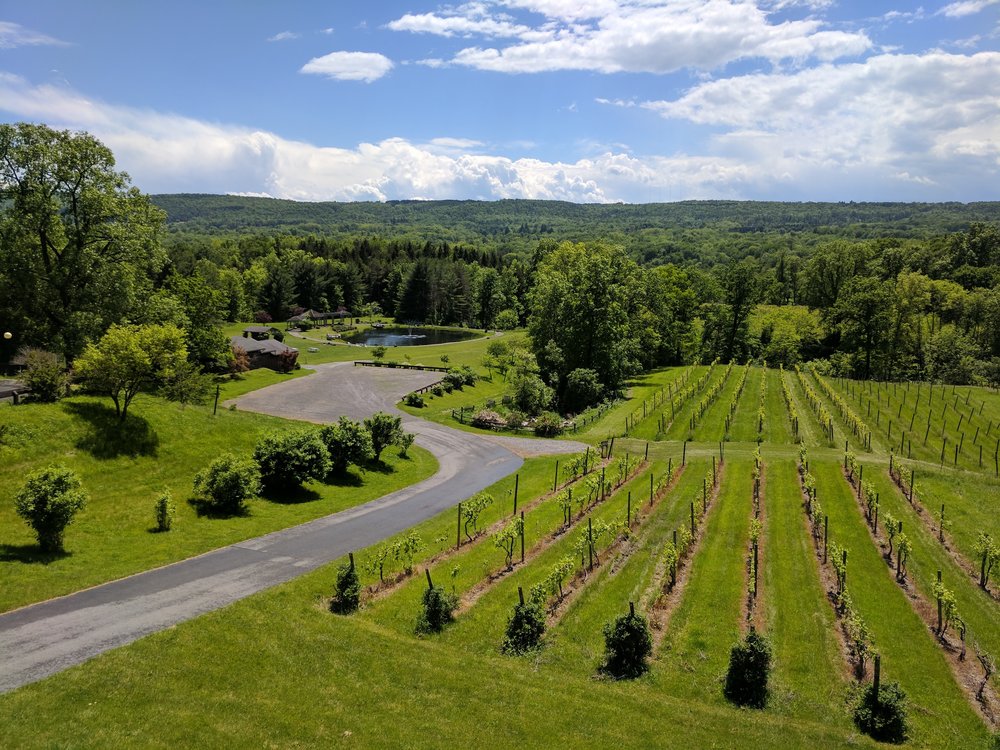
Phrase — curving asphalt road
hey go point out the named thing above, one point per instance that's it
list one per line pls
(45, 638)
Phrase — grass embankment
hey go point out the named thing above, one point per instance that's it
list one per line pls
(977, 608)
(940, 714)
(707, 621)
(809, 677)
(124, 468)
(578, 642)
(353, 679)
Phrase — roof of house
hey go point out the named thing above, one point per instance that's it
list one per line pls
(257, 329)
(342, 312)
(265, 346)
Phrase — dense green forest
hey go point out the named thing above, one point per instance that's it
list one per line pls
(887, 291)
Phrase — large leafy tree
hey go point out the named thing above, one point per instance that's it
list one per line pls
(77, 242)
(130, 358)
(587, 299)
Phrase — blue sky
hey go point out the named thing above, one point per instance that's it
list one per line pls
(583, 100)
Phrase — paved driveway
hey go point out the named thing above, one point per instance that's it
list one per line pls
(46, 638)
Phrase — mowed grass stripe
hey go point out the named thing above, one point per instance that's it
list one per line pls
(744, 425)
(941, 716)
(777, 427)
(711, 428)
(483, 626)
(695, 651)
(463, 570)
(681, 426)
(578, 641)
(809, 677)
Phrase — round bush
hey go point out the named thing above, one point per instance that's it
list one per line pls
(228, 483)
(48, 501)
(749, 667)
(525, 628)
(437, 609)
(627, 644)
(347, 442)
(288, 459)
(346, 591)
(884, 718)
(415, 400)
(548, 424)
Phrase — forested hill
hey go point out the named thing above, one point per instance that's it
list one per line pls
(519, 224)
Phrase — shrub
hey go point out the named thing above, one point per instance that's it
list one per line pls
(516, 419)
(279, 335)
(627, 644)
(506, 320)
(437, 609)
(405, 441)
(288, 459)
(240, 361)
(437, 390)
(347, 442)
(445, 359)
(454, 378)
(378, 352)
(531, 395)
(749, 667)
(488, 419)
(228, 483)
(415, 400)
(525, 628)
(583, 389)
(44, 375)
(287, 360)
(385, 430)
(165, 511)
(548, 424)
(262, 316)
(882, 717)
(346, 590)
(469, 376)
(47, 502)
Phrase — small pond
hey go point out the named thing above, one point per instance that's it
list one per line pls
(403, 336)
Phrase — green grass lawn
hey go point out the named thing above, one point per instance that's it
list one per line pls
(707, 622)
(940, 714)
(124, 468)
(362, 680)
(809, 677)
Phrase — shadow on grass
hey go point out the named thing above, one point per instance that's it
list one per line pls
(290, 495)
(205, 509)
(107, 437)
(379, 467)
(344, 479)
(30, 553)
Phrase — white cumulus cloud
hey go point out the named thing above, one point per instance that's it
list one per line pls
(649, 36)
(966, 7)
(350, 66)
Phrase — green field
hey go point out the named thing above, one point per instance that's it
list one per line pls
(367, 678)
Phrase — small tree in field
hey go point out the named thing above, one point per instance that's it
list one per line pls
(749, 668)
(627, 645)
(48, 501)
(525, 627)
(506, 539)
(347, 590)
(437, 609)
(165, 511)
(378, 353)
(228, 483)
(385, 430)
(405, 442)
(130, 358)
(883, 716)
